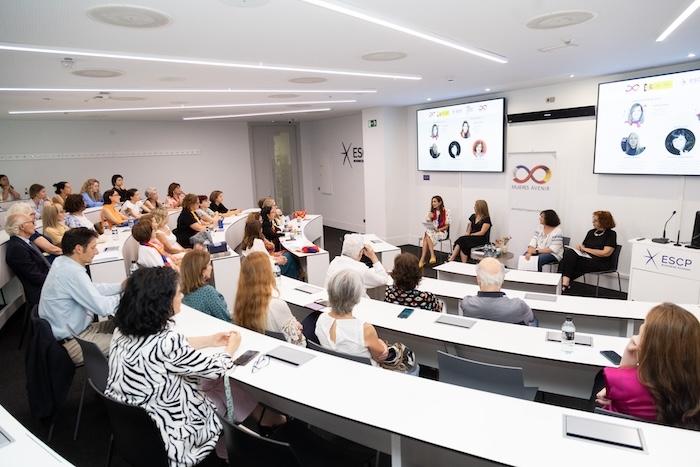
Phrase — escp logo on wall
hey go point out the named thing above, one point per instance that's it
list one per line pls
(351, 154)
(667, 261)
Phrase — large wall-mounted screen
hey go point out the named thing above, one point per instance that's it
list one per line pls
(649, 126)
(463, 137)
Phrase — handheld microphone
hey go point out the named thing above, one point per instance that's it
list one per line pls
(663, 238)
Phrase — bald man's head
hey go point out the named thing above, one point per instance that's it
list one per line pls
(490, 274)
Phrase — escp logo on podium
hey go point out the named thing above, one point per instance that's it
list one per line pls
(668, 261)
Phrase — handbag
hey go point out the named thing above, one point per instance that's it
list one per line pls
(204, 237)
(400, 358)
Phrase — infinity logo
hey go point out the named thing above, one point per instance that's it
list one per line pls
(539, 174)
(632, 88)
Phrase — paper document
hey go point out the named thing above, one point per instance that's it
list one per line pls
(429, 225)
(580, 253)
(525, 264)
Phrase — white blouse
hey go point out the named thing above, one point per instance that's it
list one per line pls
(554, 241)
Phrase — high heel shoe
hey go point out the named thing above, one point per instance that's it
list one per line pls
(433, 260)
(421, 263)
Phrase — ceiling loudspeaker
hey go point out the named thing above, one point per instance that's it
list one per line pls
(572, 112)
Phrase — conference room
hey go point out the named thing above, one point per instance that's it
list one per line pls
(343, 232)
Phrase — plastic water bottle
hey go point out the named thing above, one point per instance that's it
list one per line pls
(568, 335)
(221, 223)
(115, 233)
(133, 267)
(278, 273)
(131, 222)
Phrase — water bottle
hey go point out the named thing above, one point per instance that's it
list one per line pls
(133, 267)
(568, 335)
(278, 273)
(221, 223)
(115, 233)
(131, 222)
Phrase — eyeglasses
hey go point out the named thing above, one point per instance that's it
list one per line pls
(261, 362)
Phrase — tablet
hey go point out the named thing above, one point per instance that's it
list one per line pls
(290, 355)
(541, 297)
(603, 432)
(5, 439)
(555, 336)
(310, 289)
(453, 320)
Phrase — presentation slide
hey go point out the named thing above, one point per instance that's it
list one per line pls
(462, 138)
(649, 126)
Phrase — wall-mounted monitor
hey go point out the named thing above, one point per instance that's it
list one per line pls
(649, 126)
(462, 138)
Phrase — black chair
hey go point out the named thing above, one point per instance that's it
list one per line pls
(314, 346)
(553, 266)
(96, 370)
(27, 309)
(308, 325)
(504, 380)
(276, 335)
(135, 435)
(615, 258)
(246, 448)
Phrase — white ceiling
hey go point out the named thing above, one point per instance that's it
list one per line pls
(290, 32)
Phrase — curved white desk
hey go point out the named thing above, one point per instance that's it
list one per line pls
(315, 264)
(424, 422)
(542, 282)
(386, 252)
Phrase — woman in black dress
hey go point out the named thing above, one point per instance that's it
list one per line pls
(478, 232)
(599, 245)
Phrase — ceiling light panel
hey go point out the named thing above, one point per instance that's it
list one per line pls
(259, 114)
(195, 91)
(678, 21)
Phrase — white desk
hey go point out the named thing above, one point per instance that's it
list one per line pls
(315, 264)
(664, 272)
(26, 449)
(542, 282)
(108, 266)
(386, 252)
(544, 363)
(425, 422)
(6, 273)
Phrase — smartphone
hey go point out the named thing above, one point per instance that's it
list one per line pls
(247, 356)
(614, 357)
(405, 313)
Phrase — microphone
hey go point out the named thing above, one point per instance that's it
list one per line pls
(663, 238)
(678, 239)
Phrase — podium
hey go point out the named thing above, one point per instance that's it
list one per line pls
(664, 273)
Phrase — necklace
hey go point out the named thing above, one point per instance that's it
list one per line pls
(598, 233)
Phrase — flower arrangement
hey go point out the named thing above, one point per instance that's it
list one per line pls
(502, 243)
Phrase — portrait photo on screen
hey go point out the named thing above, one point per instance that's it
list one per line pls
(680, 141)
(471, 134)
(631, 146)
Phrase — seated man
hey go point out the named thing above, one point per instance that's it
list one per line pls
(70, 300)
(353, 249)
(492, 304)
(24, 258)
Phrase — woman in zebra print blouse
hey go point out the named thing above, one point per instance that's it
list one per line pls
(158, 369)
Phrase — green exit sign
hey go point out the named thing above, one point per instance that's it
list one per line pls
(372, 123)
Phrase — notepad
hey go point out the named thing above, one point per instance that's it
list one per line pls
(555, 336)
(290, 355)
(541, 297)
(603, 432)
(310, 289)
(5, 439)
(453, 320)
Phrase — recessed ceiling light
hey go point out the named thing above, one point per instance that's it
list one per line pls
(283, 96)
(678, 21)
(691, 55)
(383, 56)
(560, 19)
(178, 107)
(191, 61)
(127, 98)
(128, 16)
(429, 99)
(284, 112)
(487, 89)
(195, 91)
(412, 32)
(571, 75)
(97, 73)
(308, 80)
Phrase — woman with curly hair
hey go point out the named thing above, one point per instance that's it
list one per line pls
(407, 275)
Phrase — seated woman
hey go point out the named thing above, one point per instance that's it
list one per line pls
(37, 193)
(659, 376)
(258, 306)
(7, 191)
(39, 240)
(151, 202)
(440, 217)
(599, 245)
(353, 249)
(206, 215)
(269, 214)
(158, 369)
(195, 274)
(132, 206)
(118, 185)
(217, 204)
(90, 191)
(75, 208)
(52, 223)
(163, 233)
(254, 241)
(63, 189)
(151, 253)
(109, 216)
(175, 196)
(548, 242)
(188, 223)
(407, 275)
(478, 232)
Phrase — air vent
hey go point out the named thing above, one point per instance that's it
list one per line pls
(560, 19)
(128, 16)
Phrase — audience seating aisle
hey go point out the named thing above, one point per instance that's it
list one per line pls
(413, 424)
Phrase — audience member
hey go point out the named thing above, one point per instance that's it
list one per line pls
(353, 249)
(63, 189)
(195, 274)
(151, 202)
(659, 376)
(37, 193)
(158, 369)
(206, 215)
(478, 232)
(258, 306)
(118, 186)
(24, 258)
(53, 224)
(268, 214)
(40, 241)
(175, 196)
(439, 216)
(548, 241)
(407, 275)
(150, 254)
(598, 247)
(70, 300)
(132, 206)
(188, 223)
(7, 191)
(254, 240)
(75, 212)
(217, 204)
(109, 216)
(163, 232)
(90, 191)
(492, 304)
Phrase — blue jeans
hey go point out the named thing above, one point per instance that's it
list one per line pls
(291, 268)
(545, 258)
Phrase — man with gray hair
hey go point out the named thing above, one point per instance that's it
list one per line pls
(492, 304)
(24, 258)
(353, 249)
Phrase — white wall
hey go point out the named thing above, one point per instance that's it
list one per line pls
(321, 144)
(223, 161)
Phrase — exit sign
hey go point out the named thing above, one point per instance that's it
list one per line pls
(372, 123)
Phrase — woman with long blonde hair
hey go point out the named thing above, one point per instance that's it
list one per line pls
(258, 306)
(52, 221)
(478, 232)
(659, 375)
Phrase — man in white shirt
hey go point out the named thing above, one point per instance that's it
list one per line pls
(70, 300)
(353, 249)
